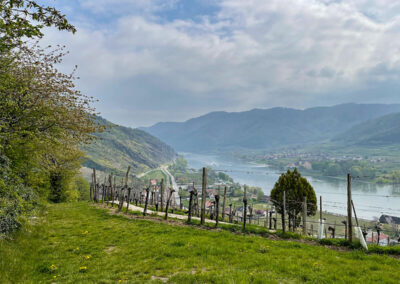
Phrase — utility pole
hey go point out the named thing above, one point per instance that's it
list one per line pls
(349, 217)
(203, 197)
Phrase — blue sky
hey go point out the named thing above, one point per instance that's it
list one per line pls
(169, 60)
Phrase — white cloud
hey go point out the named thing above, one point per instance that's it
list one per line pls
(253, 53)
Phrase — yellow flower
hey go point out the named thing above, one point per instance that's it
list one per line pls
(119, 281)
(82, 269)
(53, 267)
(54, 277)
(88, 257)
(85, 233)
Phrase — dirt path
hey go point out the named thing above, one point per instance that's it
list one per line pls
(133, 207)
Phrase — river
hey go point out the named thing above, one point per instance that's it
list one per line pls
(370, 200)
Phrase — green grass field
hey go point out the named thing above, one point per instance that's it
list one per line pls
(79, 243)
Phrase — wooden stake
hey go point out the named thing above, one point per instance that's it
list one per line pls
(244, 208)
(203, 197)
(162, 194)
(284, 212)
(223, 204)
(349, 217)
(216, 209)
(168, 201)
(147, 201)
(305, 216)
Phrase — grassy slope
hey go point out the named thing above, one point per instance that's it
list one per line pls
(135, 250)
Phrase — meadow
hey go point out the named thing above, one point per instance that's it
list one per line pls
(82, 243)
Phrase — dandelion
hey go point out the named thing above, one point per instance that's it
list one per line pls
(85, 233)
(87, 256)
(54, 276)
(53, 267)
(82, 269)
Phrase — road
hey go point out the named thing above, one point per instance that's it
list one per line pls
(171, 181)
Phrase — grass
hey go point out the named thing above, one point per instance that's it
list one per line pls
(78, 243)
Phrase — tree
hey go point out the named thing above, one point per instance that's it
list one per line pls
(296, 188)
(26, 18)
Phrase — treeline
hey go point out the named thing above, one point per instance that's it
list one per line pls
(341, 168)
(44, 120)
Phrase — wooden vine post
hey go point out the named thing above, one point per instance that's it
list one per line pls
(95, 186)
(244, 208)
(168, 202)
(230, 213)
(121, 197)
(111, 190)
(349, 209)
(162, 194)
(128, 199)
(283, 212)
(223, 204)
(193, 193)
(147, 201)
(216, 210)
(203, 197)
(305, 216)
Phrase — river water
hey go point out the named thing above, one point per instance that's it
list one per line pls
(370, 200)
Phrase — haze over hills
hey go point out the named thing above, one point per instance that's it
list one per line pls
(383, 130)
(121, 146)
(265, 128)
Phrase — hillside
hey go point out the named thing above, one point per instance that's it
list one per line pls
(78, 243)
(121, 146)
(381, 131)
(265, 128)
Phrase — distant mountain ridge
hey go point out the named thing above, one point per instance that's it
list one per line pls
(119, 147)
(265, 128)
(380, 131)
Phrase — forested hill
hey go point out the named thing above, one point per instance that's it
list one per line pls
(381, 131)
(265, 128)
(120, 146)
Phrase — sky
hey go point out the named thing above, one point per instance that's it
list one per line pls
(147, 61)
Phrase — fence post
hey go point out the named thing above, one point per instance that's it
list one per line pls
(283, 212)
(349, 213)
(305, 216)
(203, 197)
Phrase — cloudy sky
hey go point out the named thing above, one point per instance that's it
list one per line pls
(169, 60)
